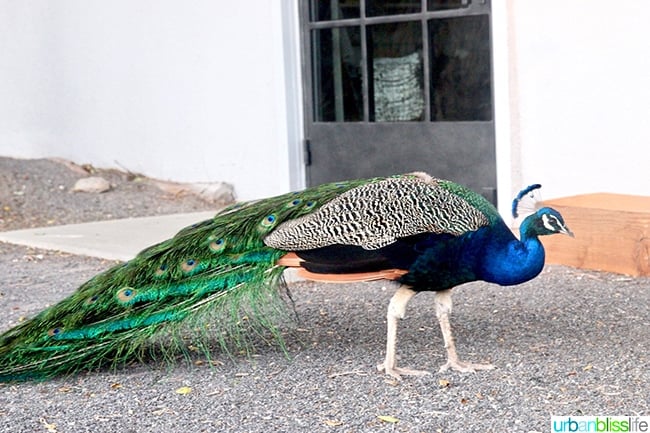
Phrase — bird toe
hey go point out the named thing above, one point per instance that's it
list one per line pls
(465, 367)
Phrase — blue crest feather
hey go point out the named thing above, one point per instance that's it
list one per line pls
(522, 194)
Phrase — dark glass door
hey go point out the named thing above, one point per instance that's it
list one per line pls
(398, 86)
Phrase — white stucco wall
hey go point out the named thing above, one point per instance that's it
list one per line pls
(581, 95)
(185, 91)
(210, 90)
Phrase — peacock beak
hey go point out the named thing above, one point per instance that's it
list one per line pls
(565, 230)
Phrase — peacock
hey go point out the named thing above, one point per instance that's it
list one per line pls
(427, 234)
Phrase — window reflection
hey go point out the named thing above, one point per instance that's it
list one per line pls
(397, 85)
(457, 61)
(326, 10)
(436, 5)
(391, 7)
(460, 68)
(337, 75)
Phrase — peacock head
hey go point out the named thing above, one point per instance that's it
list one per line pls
(545, 221)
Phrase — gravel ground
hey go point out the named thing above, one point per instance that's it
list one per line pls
(568, 343)
(38, 193)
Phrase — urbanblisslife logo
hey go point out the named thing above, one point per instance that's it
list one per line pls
(600, 424)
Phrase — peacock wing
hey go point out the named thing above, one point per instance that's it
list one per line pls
(376, 214)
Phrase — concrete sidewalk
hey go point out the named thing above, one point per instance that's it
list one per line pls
(118, 239)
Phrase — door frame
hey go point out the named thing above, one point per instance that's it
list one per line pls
(506, 121)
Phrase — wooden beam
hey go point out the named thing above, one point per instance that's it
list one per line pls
(612, 233)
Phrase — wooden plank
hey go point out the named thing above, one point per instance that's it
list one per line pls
(605, 201)
(612, 233)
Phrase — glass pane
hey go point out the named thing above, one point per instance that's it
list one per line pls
(436, 5)
(326, 10)
(337, 74)
(460, 68)
(396, 90)
(392, 7)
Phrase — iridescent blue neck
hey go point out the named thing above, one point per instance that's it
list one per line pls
(514, 261)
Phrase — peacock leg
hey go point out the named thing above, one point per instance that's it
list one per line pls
(443, 311)
(396, 310)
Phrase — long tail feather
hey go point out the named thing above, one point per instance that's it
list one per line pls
(217, 265)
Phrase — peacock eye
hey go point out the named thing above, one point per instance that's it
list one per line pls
(310, 204)
(92, 300)
(217, 245)
(54, 332)
(189, 265)
(126, 294)
(161, 270)
(269, 220)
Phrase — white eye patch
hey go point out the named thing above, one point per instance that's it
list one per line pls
(551, 222)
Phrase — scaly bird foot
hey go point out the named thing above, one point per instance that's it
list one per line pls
(465, 367)
(397, 372)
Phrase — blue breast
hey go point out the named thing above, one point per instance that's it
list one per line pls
(490, 253)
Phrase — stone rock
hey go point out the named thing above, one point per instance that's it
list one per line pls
(212, 192)
(92, 184)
